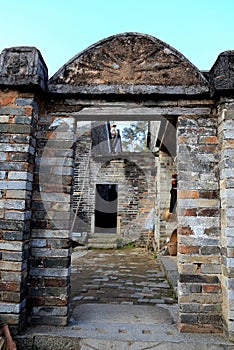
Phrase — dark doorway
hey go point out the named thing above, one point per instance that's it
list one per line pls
(106, 208)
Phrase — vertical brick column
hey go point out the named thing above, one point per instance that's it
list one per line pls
(18, 117)
(166, 169)
(52, 207)
(199, 259)
(226, 138)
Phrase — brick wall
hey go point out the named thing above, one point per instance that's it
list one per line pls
(49, 273)
(226, 141)
(82, 203)
(134, 175)
(199, 254)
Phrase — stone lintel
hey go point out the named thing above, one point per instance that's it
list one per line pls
(128, 89)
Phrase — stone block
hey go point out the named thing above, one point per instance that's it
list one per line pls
(14, 308)
(14, 204)
(189, 318)
(4, 119)
(190, 308)
(50, 311)
(22, 102)
(200, 298)
(221, 74)
(23, 66)
(187, 288)
(16, 215)
(52, 321)
(210, 250)
(199, 279)
(50, 272)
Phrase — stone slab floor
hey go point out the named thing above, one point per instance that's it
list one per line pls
(120, 300)
(118, 276)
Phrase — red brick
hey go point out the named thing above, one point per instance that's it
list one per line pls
(182, 139)
(202, 328)
(208, 139)
(190, 212)
(183, 249)
(9, 286)
(188, 194)
(7, 98)
(208, 148)
(207, 288)
(210, 212)
(184, 230)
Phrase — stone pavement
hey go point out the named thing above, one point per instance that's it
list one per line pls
(121, 300)
(119, 276)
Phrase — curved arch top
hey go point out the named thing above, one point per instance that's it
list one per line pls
(129, 63)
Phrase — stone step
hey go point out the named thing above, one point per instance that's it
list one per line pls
(102, 241)
(102, 245)
(102, 236)
(73, 342)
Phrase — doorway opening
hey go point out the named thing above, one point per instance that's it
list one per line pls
(106, 204)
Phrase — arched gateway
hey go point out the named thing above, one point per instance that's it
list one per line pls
(129, 76)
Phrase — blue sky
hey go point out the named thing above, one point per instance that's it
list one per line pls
(199, 29)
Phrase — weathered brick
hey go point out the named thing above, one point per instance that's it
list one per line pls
(211, 288)
(199, 279)
(8, 97)
(210, 250)
(188, 249)
(188, 194)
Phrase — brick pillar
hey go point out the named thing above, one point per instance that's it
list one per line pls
(199, 259)
(226, 138)
(165, 170)
(18, 115)
(52, 207)
(18, 119)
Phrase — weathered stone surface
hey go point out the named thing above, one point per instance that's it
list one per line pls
(221, 74)
(129, 61)
(22, 66)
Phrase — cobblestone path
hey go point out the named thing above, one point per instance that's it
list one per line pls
(118, 276)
